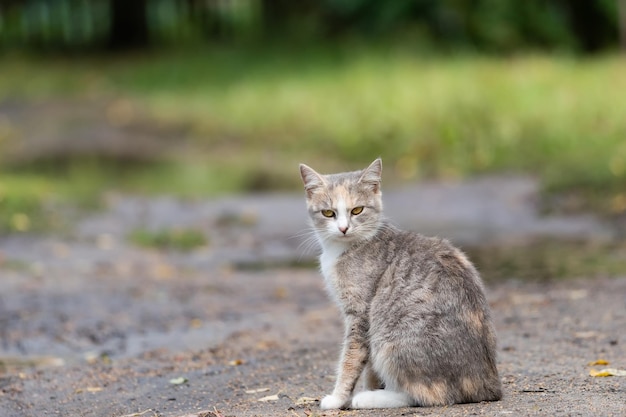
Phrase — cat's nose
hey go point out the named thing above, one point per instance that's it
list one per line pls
(343, 229)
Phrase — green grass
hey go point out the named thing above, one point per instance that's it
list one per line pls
(173, 239)
(23, 203)
(248, 117)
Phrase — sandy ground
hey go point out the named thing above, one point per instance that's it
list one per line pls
(92, 326)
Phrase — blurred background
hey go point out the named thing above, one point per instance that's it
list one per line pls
(197, 98)
(150, 196)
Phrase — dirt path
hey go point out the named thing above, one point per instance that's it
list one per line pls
(288, 347)
(92, 326)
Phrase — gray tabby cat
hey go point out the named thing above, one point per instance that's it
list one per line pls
(417, 324)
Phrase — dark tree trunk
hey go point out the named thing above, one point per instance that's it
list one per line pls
(129, 24)
(591, 26)
(276, 14)
(621, 8)
(282, 16)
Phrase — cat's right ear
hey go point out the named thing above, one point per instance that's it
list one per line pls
(371, 175)
(311, 179)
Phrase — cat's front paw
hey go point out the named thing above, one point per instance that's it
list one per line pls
(332, 402)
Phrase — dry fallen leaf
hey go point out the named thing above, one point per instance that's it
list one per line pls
(178, 381)
(305, 400)
(163, 271)
(586, 335)
(254, 391)
(205, 413)
(140, 414)
(607, 372)
(280, 293)
(269, 398)
(598, 362)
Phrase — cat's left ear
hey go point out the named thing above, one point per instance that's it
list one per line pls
(372, 175)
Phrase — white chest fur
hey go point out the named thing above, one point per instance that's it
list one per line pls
(328, 259)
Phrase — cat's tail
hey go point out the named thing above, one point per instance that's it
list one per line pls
(382, 398)
(469, 390)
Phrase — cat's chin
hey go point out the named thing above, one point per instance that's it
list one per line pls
(344, 238)
(338, 241)
(341, 239)
(348, 238)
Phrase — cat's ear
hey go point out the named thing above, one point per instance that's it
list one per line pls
(372, 174)
(311, 179)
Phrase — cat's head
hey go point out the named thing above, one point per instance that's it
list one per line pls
(344, 207)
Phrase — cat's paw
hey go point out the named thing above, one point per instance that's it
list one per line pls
(364, 399)
(332, 402)
(381, 399)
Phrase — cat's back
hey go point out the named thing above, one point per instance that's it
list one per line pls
(410, 253)
(411, 275)
(430, 293)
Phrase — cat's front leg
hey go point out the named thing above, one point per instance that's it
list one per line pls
(353, 359)
(331, 402)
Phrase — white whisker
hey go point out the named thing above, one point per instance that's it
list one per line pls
(308, 242)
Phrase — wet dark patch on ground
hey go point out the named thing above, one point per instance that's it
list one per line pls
(550, 259)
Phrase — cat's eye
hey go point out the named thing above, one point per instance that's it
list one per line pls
(328, 213)
(357, 210)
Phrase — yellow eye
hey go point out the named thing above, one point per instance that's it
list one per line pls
(328, 213)
(357, 210)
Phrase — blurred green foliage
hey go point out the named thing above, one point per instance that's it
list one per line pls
(243, 118)
(22, 207)
(492, 25)
(238, 92)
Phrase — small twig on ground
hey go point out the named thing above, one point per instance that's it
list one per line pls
(140, 413)
(214, 413)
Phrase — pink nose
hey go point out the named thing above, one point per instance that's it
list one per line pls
(343, 229)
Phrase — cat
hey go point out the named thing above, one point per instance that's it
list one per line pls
(417, 324)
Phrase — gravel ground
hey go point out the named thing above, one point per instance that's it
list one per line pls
(548, 333)
(92, 326)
